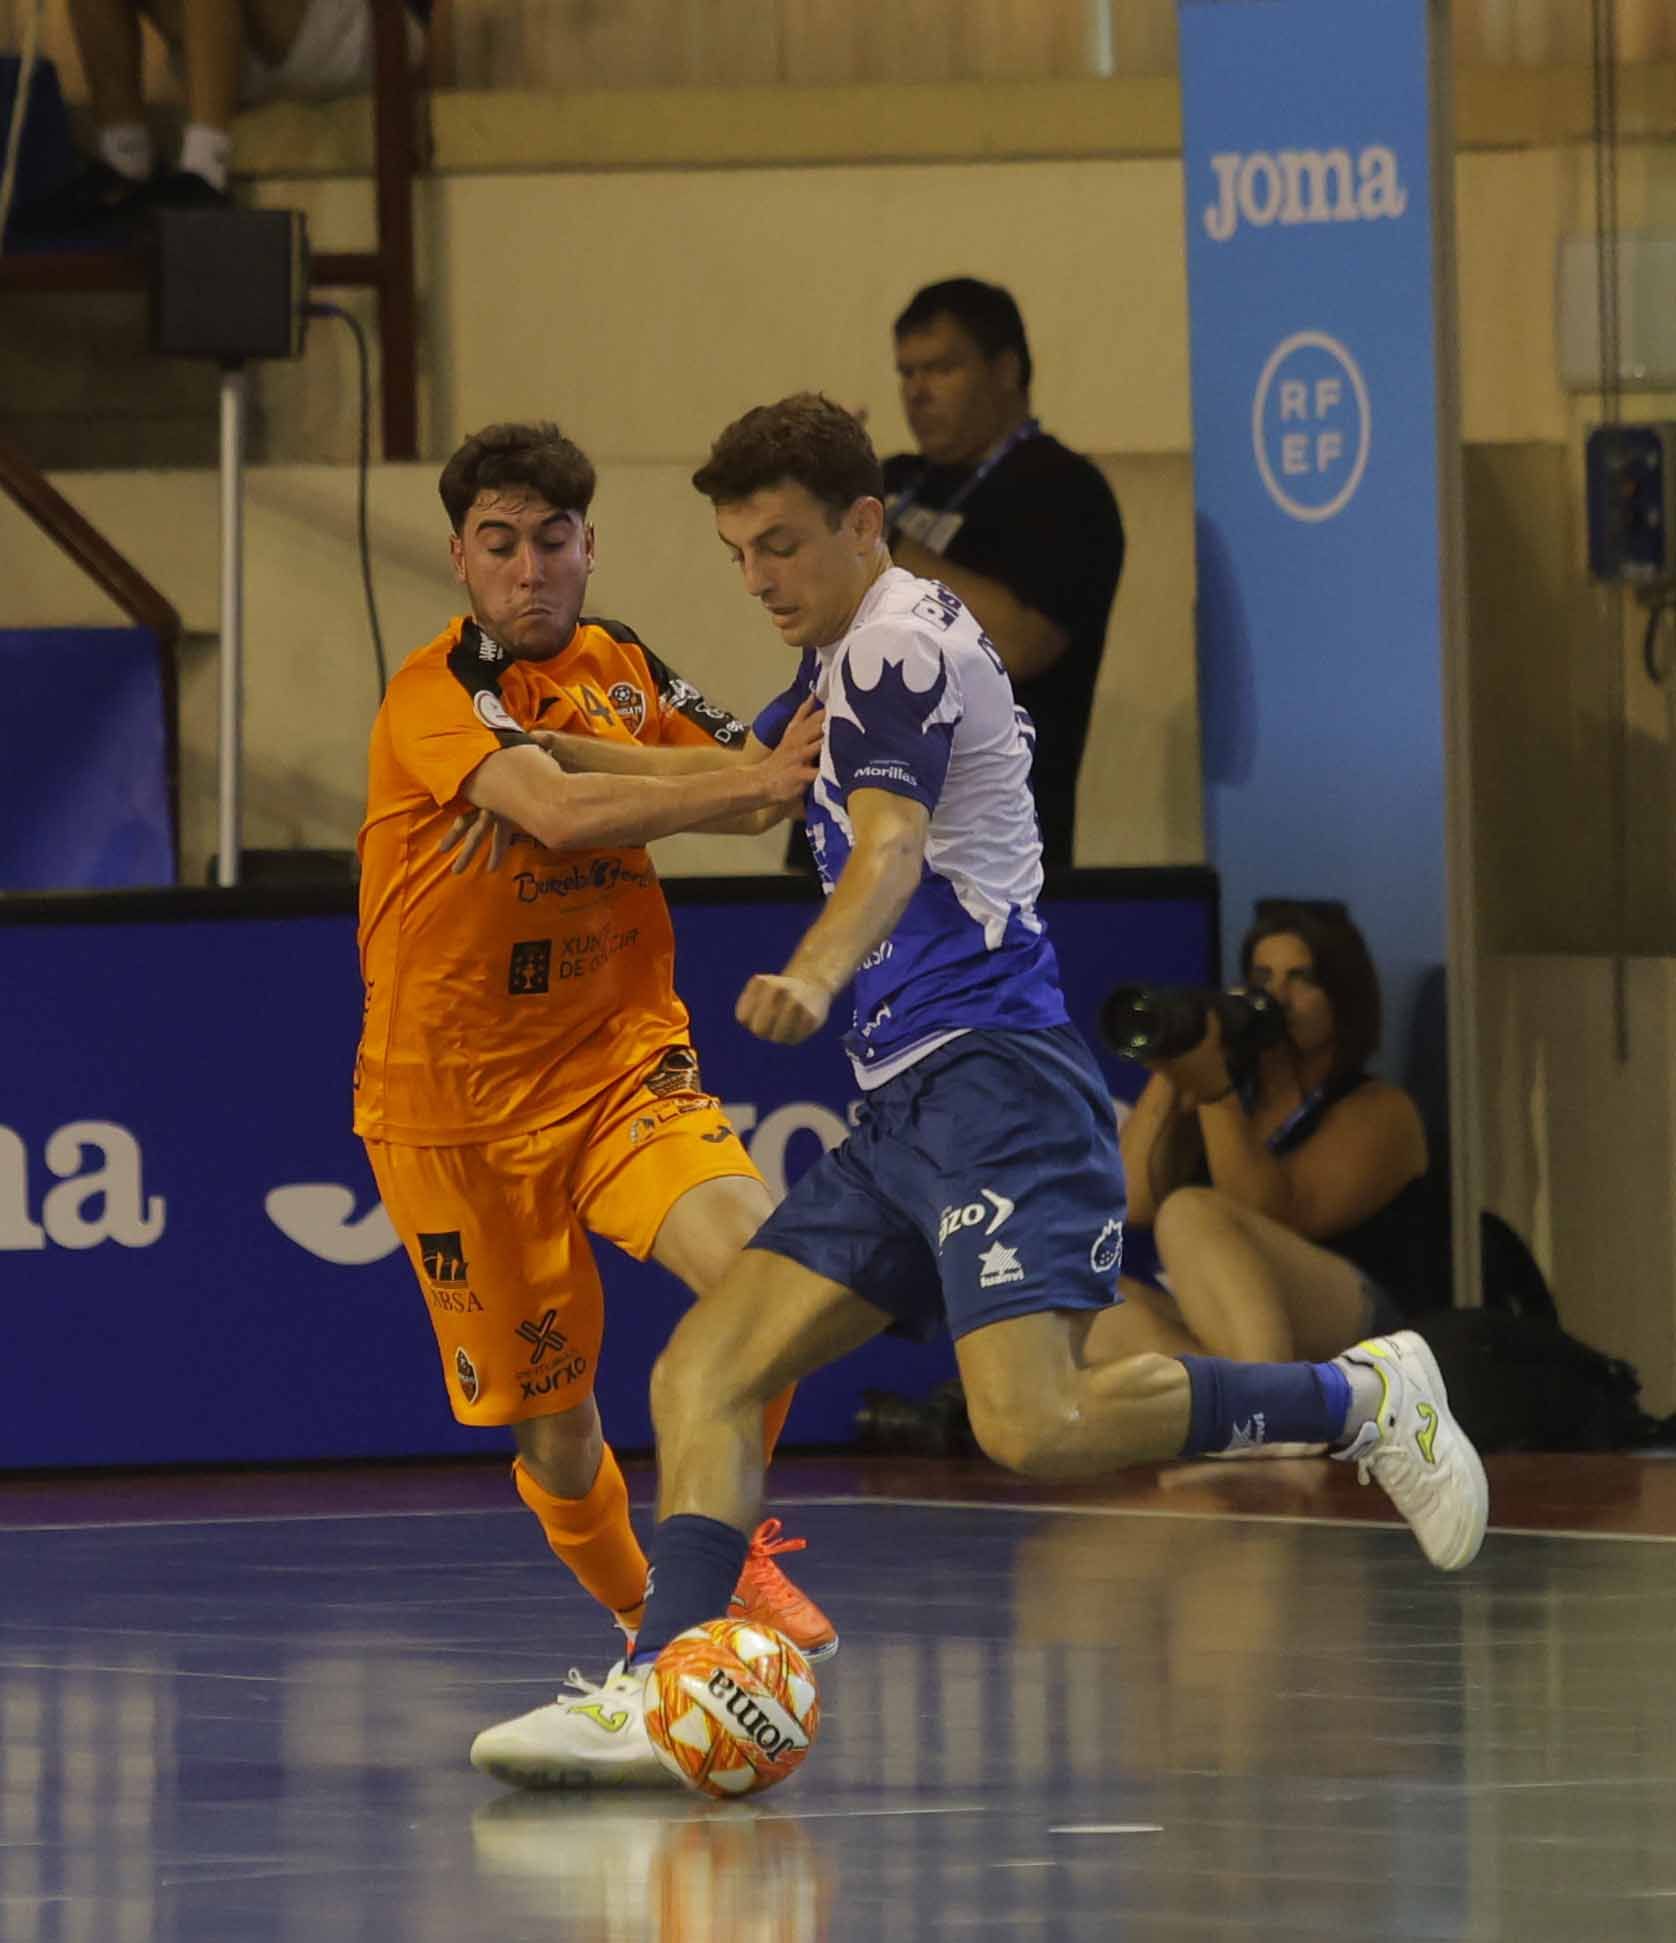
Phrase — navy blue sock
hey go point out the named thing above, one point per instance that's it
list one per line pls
(696, 1563)
(1238, 1404)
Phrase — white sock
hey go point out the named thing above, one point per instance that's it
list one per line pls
(206, 151)
(1367, 1392)
(126, 147)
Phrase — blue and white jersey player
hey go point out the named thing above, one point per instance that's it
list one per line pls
(982, 1185)
(984, 1161)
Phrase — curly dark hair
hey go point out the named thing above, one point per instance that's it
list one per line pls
(536, 455)
(804, 440)
(1343, 967)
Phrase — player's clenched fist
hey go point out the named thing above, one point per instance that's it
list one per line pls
(781, 1009)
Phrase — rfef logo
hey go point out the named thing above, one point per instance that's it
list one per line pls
(1289, 186)
(1311, 426)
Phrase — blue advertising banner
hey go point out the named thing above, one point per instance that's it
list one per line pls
(85, 755)
(195, 1264)
(1308, 165)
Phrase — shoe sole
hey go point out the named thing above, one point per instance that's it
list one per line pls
(813, 1654)
(1473, 1465)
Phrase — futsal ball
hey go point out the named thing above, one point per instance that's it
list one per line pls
(731, 1707)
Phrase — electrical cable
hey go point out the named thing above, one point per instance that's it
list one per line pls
(20, 108)
(358, 331)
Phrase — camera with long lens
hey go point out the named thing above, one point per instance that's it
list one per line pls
(1164, 1021)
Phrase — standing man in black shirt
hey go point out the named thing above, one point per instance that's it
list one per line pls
(1024, 530)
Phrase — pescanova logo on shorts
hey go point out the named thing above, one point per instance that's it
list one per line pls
(1311, 426)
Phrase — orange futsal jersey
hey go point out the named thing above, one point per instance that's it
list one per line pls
(496, 1004)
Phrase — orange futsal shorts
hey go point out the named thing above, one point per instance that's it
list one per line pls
(498, 1231)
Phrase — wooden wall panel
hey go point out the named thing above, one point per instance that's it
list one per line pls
(920, 39)
(828, 45)
(1143, 36)
(562, 44)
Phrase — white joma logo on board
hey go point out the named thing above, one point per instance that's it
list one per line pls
(1303, 185)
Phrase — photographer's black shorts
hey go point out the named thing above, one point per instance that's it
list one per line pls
(982, 1183)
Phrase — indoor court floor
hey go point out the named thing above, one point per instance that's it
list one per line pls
(1214, 1700)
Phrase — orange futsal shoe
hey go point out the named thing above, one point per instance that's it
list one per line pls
(764, 1592)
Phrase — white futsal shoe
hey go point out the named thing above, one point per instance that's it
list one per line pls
(595, 1740)
(1417, 1453)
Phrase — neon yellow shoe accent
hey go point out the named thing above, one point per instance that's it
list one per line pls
(1427, 1437)
(613, 1723)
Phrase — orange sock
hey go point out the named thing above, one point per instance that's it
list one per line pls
(593, 1536)
(774, 1415)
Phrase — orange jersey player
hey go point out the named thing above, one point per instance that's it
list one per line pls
(525, 1075)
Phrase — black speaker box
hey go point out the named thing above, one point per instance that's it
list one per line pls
(229, 284)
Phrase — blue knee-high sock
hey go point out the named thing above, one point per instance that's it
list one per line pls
(696, 1563)
(1237, 1404)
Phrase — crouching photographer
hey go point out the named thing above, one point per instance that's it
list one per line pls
(1283, 1183)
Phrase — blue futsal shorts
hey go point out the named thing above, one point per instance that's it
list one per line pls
(983, 1182)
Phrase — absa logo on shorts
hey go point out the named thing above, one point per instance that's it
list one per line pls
(1311, 426)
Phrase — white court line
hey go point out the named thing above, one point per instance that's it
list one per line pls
(1215, 1517)
(868, 1814)
(144, 1672)
(842, 1501)
(1108, 1828)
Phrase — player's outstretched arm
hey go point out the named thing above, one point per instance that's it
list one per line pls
(571, 812)
(585, 753)
(802, 738)
(803, 732)
(593, 755)
(886, 858)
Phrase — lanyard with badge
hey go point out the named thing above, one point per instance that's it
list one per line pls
(934, 527)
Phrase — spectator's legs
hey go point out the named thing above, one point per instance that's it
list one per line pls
(1252, 1290)
(1146, 1319)
(271, 27)
(1244, 1287)
(211, 41)
(107, 36)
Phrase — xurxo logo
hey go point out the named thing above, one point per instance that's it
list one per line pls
(543, 1335)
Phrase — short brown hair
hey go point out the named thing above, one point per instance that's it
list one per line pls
(806, 440)
(537, 456)
(1343, 969)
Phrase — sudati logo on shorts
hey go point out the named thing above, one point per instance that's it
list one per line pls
(1285, 187)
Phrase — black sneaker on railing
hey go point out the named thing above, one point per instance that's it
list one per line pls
(184, 189)
(98, 204)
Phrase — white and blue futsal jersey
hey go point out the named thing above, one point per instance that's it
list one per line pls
(918, 703)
